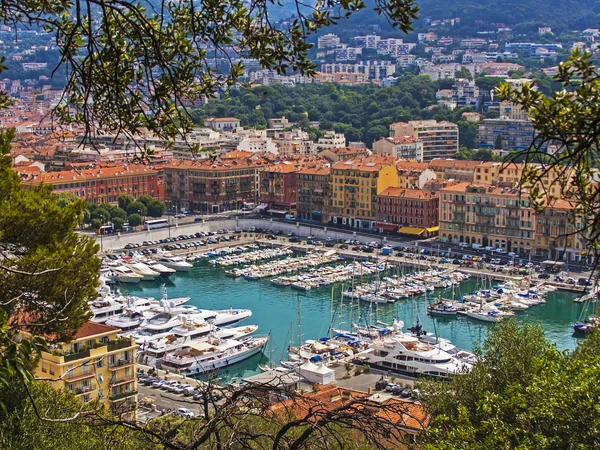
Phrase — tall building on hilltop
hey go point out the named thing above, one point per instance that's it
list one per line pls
(440, 139)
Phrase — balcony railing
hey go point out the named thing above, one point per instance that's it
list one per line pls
(79, 355)
(119, 363)
(83, 390)
(120, 395)
(119, 344)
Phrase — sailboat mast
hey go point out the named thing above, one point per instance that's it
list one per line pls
(331, 312)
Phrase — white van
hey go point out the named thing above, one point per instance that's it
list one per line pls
(476, 246)
(290, 217)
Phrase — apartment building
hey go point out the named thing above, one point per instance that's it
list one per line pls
(278, 187)
(440, 139)
(355, 184)
(100, 183)
(454, 169)
(509, 175)
(555, 233)
(331, 139)
(95, 365)
(413, 175)
(494, 216)
(400, 147)
(313, 192)
(213, 186)
(222, 123)
(505, 134)
(344, 153)
(410, 211)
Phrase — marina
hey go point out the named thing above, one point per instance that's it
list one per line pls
(275, 308)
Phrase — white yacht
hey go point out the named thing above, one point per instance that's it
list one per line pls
(405, 354)
(188, 333)
(128, 320)
(142, 269)
(163, 270)
(105, 307)
(174, 262)
(202, 357)
(126, 275)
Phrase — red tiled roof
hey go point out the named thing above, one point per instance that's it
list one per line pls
(93, 329)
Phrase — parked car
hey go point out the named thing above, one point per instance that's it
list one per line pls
(584, 282)
(165, 385)
(184, 412)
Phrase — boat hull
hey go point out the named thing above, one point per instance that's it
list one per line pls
(199, 368)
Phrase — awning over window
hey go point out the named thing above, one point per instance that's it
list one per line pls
(433, 229)
(385, 226)
(276, 211)
(411, 230)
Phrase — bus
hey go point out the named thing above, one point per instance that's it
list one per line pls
(159, 223)
(106, 229)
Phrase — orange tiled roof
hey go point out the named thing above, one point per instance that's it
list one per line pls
(456, 163)
(92, 173)
(366, 164)
(322, 170)
(93, 329)
(411, 166)
(406, 193)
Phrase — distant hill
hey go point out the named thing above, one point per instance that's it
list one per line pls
(521, 15)
(561, 15)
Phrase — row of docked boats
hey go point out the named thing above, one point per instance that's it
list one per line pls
(395, 287)
(225, 260)
(177, 336)
(132, 270)
(492, 305)
(325, 276)
(290, 264)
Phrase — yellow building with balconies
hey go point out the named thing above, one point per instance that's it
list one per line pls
(95, 365)
(355, 184)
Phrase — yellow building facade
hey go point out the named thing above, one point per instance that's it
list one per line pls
(355, 185)
(95, 365)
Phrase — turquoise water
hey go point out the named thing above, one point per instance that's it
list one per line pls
(276, 309)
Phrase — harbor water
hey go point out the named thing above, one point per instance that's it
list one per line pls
(287, 313)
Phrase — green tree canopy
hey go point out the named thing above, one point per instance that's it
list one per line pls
(47, 271)
(134, 220)
(156, 208)
(137, 207)
(522, 393)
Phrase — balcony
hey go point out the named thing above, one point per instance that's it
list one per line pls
(78, 355)
(120, 344)
(120, 363)
(117, 381)
(121, 395)
(83, 390)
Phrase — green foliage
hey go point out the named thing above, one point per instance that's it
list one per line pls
(125, 200)
(468, 133)
(137, 207)
(47, 271)
(524, 17)
(118, 213)
(156, 208)
(522, 393)
(95, 224)
(134, 220)
(118, 223)
(361, 113)
(22, 429)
